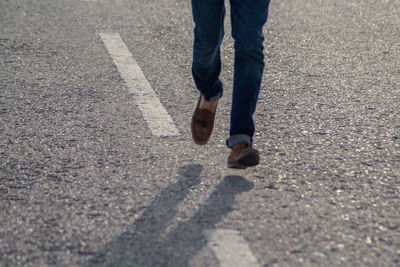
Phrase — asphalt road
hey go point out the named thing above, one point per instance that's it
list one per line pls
(84, 182)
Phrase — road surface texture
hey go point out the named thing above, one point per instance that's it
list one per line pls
(85, 182)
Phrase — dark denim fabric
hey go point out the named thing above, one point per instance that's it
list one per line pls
(248, 18)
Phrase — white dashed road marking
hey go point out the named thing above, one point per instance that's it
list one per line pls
(157, 118)
(230, 248)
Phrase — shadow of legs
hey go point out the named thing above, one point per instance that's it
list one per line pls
(146, 246)
(146, 230)
(187, 239)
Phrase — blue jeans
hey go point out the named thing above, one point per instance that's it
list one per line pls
(248, 18)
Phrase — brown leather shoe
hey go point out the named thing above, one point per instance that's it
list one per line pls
(202, 124)
(243, 156)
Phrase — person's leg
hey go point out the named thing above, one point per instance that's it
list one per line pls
(208, 16)
(248, 18)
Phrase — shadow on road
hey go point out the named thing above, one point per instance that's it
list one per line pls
(146, 244)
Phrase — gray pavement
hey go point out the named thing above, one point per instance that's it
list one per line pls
(83, 182)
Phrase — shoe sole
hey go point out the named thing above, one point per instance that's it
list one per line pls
(249, 159)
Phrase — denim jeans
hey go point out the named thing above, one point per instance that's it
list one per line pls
(247, 18)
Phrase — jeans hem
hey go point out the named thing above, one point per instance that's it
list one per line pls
(238, 138)
(217, 96)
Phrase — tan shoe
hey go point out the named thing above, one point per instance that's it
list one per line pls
(202, 124)
(243, 156)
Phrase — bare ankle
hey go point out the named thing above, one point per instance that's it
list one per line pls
(210, 105)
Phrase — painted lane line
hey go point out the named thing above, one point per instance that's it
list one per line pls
(230, 248)
(157, 118)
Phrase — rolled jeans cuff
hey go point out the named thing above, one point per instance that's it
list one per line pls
(214, 98)
(220, 91)
(238, 138)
